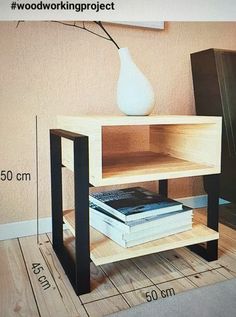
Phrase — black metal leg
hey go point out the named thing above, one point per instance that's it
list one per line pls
(210, 253)
(213, 214)
(56, 188)
(81, 192)
(78, 270)
(163, 187)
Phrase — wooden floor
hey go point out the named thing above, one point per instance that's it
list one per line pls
(44, 290)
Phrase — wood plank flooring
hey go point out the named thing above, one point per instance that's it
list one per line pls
(33, 283)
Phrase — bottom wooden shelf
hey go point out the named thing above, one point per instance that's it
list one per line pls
(103, 250)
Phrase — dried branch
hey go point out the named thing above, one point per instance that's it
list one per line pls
(18, 23)
(102, 27)
(83, 27)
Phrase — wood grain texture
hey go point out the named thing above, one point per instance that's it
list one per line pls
(185, 261)
(106, 306)
(226, 273)
(147, 166)
(207, 278)
(69, 298)
(83, 127)
(115, 141)
(157, 269)
(188, 142)
(227, 260)
(49, 301)
(227, 244)
(120, 139)
(126, 275)
(91, 122)
(165, 270)
(16, 296)
(180, 285)
(103, 250)
(138, 297)
(101, 286)
(200, 216)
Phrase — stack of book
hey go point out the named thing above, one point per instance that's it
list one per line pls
(136, 215)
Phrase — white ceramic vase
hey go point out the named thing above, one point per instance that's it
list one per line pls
(135, 95)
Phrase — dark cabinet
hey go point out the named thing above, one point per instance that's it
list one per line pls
(214, 81)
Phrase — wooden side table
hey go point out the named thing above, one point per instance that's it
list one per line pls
(120, 150)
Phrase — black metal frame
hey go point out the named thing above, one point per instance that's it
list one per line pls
(210, 251)
(78, 269)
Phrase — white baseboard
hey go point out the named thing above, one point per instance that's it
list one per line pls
(28, 228)
(24, 228)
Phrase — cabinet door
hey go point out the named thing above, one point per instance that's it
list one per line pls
(226, 67)
(214, 79)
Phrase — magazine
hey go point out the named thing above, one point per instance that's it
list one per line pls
(134, 203)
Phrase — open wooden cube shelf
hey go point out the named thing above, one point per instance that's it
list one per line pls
(135, 149)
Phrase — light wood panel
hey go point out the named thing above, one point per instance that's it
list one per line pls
(175, 138)
(120, 139)
(49, 301)
(227, 244)
(227, 234)
(85, 127)
(91, 122)
(200, 143)
(103, 250)
(200, 216)
(16, 296)
(147, 165)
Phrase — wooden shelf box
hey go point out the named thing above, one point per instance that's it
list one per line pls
(125, 149)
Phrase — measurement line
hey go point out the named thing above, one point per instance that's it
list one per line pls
(153, 284)
(109, 278)
(37, 175)
(62, 280)
(26, 268)
(50, 271)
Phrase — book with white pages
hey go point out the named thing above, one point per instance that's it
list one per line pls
(99, 213)
(136, 238)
